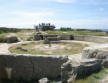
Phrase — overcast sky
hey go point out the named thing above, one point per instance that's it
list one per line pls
(67, 13)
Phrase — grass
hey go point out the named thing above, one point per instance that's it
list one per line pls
(94, 78)
(68, 49)
(25, 35)
(75, 33)
(3, 35)
(74, 49)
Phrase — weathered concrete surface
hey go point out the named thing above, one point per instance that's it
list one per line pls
(66, 37)
(67, 72)
(29, 67)
(105, 63)
(60, 37)
(88, 67)
(90, 53)
(10, 39)
(4, 48)
(94, 53)
(82, 70)
(96, 39)
(44, 80)
(38, 37)
(47, 66)
(21, 67)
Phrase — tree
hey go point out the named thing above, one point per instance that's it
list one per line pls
(66, 29)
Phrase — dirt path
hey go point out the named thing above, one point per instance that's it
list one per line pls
(104, 80)
(4, 48)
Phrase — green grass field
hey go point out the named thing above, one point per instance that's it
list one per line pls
(94, 78)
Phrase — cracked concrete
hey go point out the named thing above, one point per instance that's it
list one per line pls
(29, 67)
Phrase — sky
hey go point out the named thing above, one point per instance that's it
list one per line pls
(89, 14)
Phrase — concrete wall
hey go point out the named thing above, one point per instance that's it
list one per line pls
(91, 39)
(29, 67)
(12, 39)
(61, 37)
(66, 37)
(96, 39)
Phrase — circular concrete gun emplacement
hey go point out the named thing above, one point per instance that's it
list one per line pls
(56, 48)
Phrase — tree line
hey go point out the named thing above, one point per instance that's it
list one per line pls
(70, 29)
(6, 30)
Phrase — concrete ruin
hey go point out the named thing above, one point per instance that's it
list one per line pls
(33, 67)
(54, 37)
(95, 39)
(30, 67)
(71, 72)
(11, 39)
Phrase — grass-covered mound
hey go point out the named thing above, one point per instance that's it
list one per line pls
(22, 34)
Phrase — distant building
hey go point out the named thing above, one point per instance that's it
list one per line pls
(44, 27)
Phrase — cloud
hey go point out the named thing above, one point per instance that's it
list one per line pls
(70, 1)
(78, 23)
(26, 19)
(101, 9)
(66, 1)
(58, 1)
(33, 14)
(82, 23)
